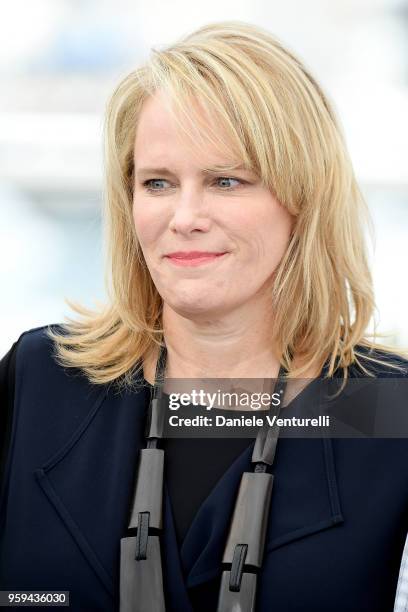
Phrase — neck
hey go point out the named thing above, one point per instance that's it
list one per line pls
(236, 345)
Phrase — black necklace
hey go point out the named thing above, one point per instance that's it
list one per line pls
(141, 578)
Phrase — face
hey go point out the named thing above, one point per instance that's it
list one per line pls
(211, 239)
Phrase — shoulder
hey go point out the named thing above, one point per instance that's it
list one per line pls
(37, 338)
(35, 348)
(37, 355)
(45, 390)
(379, 362)
(37, 361)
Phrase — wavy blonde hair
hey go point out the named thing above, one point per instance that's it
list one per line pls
(281, 125)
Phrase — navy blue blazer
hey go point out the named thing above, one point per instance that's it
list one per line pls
(337, 526)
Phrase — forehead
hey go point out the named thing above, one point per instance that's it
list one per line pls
(162, 132)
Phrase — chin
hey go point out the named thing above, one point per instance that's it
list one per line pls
(188, 309)
(194, 306)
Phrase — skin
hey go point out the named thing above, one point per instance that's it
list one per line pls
(217, 317)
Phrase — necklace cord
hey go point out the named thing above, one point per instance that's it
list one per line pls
(141, 578)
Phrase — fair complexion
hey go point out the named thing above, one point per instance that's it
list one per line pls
(217, 312)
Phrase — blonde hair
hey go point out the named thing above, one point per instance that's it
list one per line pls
(281, 126)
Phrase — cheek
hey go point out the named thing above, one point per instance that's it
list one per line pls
(146, 225)
(267, 235)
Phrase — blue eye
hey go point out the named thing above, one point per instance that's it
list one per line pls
(228, 178)
(150, 182)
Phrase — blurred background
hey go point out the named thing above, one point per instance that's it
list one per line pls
(61, 59)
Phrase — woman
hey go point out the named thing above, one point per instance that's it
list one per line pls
(236, 249)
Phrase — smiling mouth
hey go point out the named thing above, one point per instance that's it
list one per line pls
(194, 259)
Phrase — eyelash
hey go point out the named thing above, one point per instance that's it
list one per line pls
(150, 190)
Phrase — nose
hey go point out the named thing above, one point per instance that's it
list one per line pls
(190, 212)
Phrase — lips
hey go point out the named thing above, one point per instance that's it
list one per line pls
(194, 258)
(188, 255)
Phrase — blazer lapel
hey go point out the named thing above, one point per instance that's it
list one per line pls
(90, 480)
(90, 483)
(305, 500)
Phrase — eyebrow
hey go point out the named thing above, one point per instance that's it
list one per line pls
(162, 171)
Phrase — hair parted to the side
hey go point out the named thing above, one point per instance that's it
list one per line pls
(280, 125)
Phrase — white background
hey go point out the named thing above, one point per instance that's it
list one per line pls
(61, 59)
